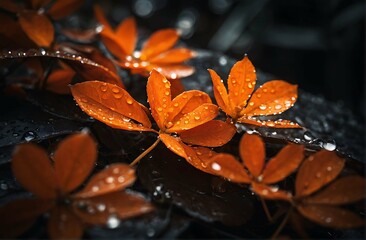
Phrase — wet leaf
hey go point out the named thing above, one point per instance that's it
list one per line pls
(213, 133)
(174, 144)
(113, 178)
(127, 31)
(63, 8)
(176, 55)
(159, 42)
(252, 153)
(330, 216)
(316, 171)
(21, 215)
(38, 27)
(64, 224)
(32, 169)
(221, 95)
(59, 80)
(74, 160)
(111, 105)
(270, 192)
(174, 71)
(343, 191)
(283, 164)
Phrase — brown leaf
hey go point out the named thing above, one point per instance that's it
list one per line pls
(74, 159)
(64, 224)
(271, 98)
(159, 42)
(113, 178)
(59, 80)
(127, 32)
(280, 123)
(173, 144)
(10, 6)
(316, 171)
(159, 97)
(19, 215)
(38, 27)
(270, 192)
(63, 8)
(32, 169)
(330, 216)
(111, 105)
(176, 55)
(283, 164)
(343, 191)
(213, 133)
(252, 153)
(241, 82)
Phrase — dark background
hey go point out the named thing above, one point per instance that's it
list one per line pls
(318, 45)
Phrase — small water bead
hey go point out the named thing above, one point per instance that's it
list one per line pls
(278, 107)
(197, 118)
(222, 61)
(330, 146)
(173, 76)
(101, 207)
(262, 107)
(95, 188)
(113, 222)
(129, 101)
(175, 104)
(167, 93)
(250, 85)
(160, 109)
(29, 136)
(135, 65)
(308, 136)
(215, 166)
(169, 125)
(109, 180)
(121, 179)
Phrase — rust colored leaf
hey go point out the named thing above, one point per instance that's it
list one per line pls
(127, 32)
(159, 97)
(343, 191)
(330, 216)
(221, 96)
(173, 144)
(269, 192)
(38, 28)
(84, 36)
(111, 105)
(59, 80)
(283, 164)
(213, 133)
(36, 4)
(198, 116)
(114, 178)
(32, 169)
(124, 205)
(241, 82)
(184, 103)
(10, 6)
(19, 215)
(252, 153)
(159, 42)
(316, 171)
(63, 8)
(225, 165)
(273, 97)
(174, 71)
(64, 224)
(74, 160)
(176, 87)
(280, 123)
(176, 55)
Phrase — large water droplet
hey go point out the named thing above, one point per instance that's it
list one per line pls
(330, 146)
(215, 166)
(113, 222)
(29, 136)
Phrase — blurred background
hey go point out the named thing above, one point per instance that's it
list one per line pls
(320, 45)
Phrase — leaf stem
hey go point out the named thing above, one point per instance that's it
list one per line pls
(134, 162)
(283, 224)
(266, 210)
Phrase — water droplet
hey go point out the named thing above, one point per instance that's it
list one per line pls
(95, 188)
(330, 146)
(308, 136)
(251, 103)
(173, 76)
(167, 93)
(150, 232)
(109, 180)
(113, 222)
(29, 136)
(160, 109)
(121, 179)
(278, 107)
(197, 117)
(129, 101)
(262, 107)
(15, 134)
(329, 168)
(215, 166)
(101, 207)
(103, 87)
(169, 125)
(260, 178)
(115, 90)
(3, 186)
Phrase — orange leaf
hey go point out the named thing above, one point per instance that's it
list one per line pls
(269, 192)
(173, 71)
(32, 169)
(19, 215)
(38, 28)
(176, 87)
(330, 216)
(99, 15)
(213, 133)
(127, 32)
(113, 178)
(159, 42)
(113, 44)
(98, 209)
(198, 116)
(225, 165)
(283, 164)
(280, 123)
(176, 55)
(316, 171)
(63, 8)
(241, 82)
(271, 98)
(74, 159)
(111, 105)
(59, 80)
(159, 97)
(221, 96)
(64, 224)
(184, 103)
(252, 153)
(173, 144)
(345, 190)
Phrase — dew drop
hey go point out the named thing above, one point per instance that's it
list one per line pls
(113, 222)
(101, 207)
(29, 136)
(129, 101)
(278, 107)
(262, 107)
(160, 109)
(197, 118)
(251, 103)
(115, 90)
(167, 93)
(109, 179)
(103, 87)
(121, 179)
(173, 76)
(95, 188)
(308, 136)
(215, 166)
(330, 146)
(169, 125)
